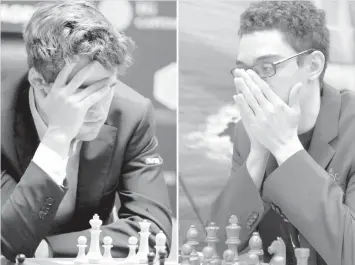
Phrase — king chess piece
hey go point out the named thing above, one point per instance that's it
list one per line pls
(94, 255)
(212, 239)
(233, 241)
(192, 240)
(143, 249)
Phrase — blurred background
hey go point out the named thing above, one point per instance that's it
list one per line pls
(208, 45)
(152, 25)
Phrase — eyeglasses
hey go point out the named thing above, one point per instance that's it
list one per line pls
(265, 70)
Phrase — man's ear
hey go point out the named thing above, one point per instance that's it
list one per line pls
(315, 65)
(37, 81)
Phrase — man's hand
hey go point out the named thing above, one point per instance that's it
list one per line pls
(66, 106)
(272, 122)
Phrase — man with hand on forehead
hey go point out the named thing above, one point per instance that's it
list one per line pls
(293, 166)
(74, 136)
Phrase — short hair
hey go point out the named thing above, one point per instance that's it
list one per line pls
(61, 30)
(301, 22)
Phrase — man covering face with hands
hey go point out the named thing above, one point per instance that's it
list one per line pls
(294, 158)
(74, 137)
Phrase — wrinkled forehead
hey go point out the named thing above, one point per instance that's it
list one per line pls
(262, 43)
(97, 74)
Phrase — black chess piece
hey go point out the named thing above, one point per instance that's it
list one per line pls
(151, 257)
(162, 256)
(20, 258)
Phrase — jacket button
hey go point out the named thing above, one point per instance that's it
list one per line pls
(50, 201)
(41, 214)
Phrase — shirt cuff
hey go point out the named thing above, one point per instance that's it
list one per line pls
(51, 163)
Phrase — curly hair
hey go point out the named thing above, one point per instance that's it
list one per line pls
(61, 30)
(301, 22)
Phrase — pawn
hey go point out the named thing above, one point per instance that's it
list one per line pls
(254, 259)
(160, 242)
(228, 257)
(162, 256)
(81, 257)
(107, 248)
(151, 258)
(20, 258)
(186, 252)
(192, 236)
(132, 245)
(207, 255)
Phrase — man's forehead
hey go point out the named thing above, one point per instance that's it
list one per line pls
(262, 43)
(99, 72)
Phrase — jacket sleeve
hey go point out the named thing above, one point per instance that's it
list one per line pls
(239, 197)
(143, 195)
(316, 206)
(28, 210)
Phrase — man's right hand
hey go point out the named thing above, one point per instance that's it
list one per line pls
(65, 106)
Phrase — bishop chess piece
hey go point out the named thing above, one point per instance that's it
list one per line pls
(94, 255)
(302, 255)
(192, 240)
(212, 239)
(207, 253)
(186, 252)
(143, 242)
(256, 245)
(81, 257)
(233, 241)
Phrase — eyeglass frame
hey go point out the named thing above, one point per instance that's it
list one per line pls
(274, 63)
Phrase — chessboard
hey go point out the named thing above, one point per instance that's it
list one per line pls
(255, 255)
(139, 251)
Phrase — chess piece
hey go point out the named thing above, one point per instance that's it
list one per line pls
(302, 255)
(94, 255)
(132, 245)
(143, 242)
(195, 261)
(186, 252)
(254, 259)
(207, 252)
(212, 239)
(20, 258)
(228, 257)
(278, 248)
(256, 245)
(160, 242)
(151, 258)
(233, 241)
(192, 235)
(162, 256)
(107, 258)
(81, 257)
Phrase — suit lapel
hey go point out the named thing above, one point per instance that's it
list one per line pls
(94, 166)
(326, 128)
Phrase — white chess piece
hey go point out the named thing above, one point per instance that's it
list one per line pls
(107, 258)
(94, 255)
(143, 242)
(81, 257)
(132, 245)
(160, 241)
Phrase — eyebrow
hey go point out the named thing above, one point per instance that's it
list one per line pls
(261, 58)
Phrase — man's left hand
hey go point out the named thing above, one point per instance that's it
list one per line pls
(273, 122)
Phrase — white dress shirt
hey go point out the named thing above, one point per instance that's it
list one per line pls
(55, 166)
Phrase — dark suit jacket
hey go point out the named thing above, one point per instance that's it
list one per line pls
(314, 190)
(112, 163)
